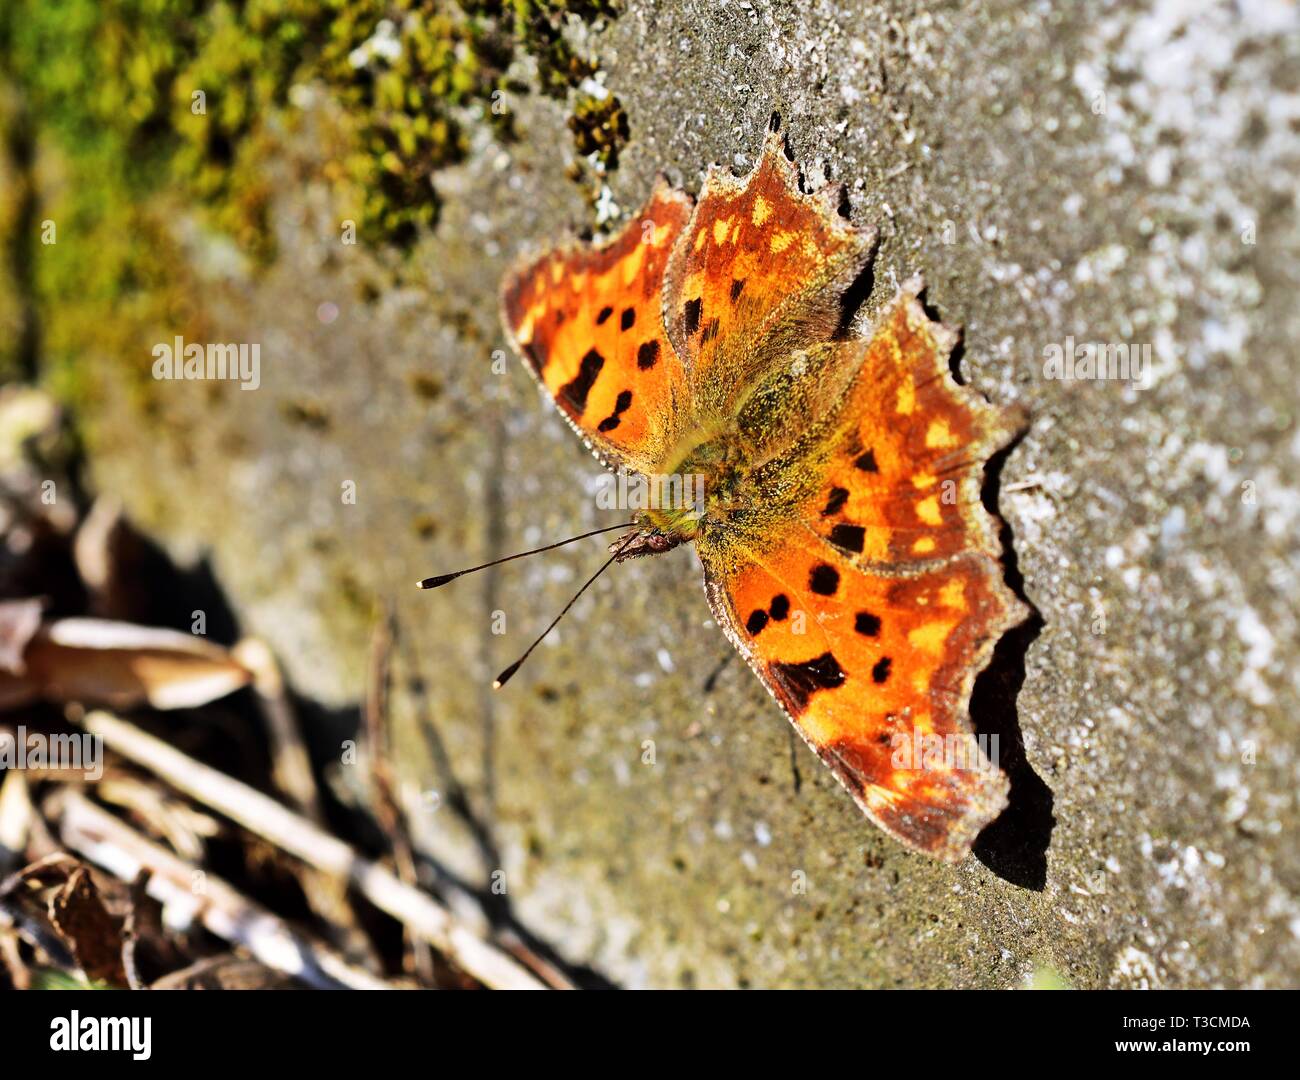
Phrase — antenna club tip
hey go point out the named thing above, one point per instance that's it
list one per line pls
(435, 582)
(504, 677)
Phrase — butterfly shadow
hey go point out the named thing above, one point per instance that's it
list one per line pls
(1015, 845)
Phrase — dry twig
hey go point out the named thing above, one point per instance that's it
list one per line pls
(296, 835)
(114, 845)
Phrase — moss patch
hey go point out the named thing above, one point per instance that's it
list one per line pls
(144, 110)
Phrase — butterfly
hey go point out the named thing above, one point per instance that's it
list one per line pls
(846, 551)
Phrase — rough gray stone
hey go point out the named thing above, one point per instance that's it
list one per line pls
(1119, 174)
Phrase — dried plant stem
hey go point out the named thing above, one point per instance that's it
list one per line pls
(299, 837)
(289, 759)
(114, 845)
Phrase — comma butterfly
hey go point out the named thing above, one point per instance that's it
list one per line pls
(846, 551)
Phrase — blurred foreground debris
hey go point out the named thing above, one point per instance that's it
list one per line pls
(143, 863)
(96, 661)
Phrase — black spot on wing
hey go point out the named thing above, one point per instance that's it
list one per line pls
(849, 537)
(835, 503)
(737, 287)
(647, 355)
(627, 319)
(780, 607)
(824, 580)
(866, 624)
(621, 405)
(756, 621)
(574, 394)
(867, 462)
(691, 315)
(880, 672)
(605, 313)
(800, 681)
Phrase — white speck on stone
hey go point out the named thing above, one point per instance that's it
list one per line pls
(1260, 646)
(607, 209)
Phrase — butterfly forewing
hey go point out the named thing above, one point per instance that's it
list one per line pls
(588, 323)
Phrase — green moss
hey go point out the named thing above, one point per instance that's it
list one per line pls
(142, 111)
(599, 127)
(538, 25)
(404, 71)
(451, 57)
(147, 92)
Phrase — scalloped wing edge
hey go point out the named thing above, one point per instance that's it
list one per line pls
(533, 254)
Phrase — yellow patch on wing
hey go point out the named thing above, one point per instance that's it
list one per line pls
(953, 594)
(939, 435)
(632, 264)
(928, 511)
(781, 241)
(907, 395)
(929, 637)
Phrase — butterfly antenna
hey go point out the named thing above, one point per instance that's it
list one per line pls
(504, 677)
(442, 579)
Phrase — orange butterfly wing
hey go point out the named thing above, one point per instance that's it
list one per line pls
(588, 321)
(863, 585)
(761, 259)
(869, 618)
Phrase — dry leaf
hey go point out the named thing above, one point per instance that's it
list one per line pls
(228, 972)
(101, 662)
(147, 951)
(19, 621)
(81, 919)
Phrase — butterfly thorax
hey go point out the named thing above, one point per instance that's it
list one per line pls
(730, 506)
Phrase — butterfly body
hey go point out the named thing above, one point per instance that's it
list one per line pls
(835, 496)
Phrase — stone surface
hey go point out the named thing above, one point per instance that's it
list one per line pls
(1124, 175)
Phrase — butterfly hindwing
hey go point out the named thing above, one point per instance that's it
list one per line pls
(870, 615)
(867, 667)
(903, 485)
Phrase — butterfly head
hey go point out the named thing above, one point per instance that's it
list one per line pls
(646, 539)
